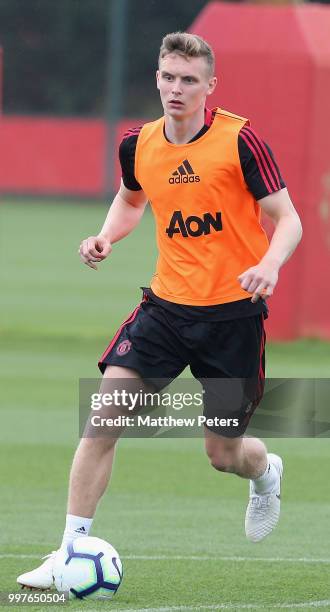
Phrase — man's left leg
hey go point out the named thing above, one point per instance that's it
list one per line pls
(248, 458)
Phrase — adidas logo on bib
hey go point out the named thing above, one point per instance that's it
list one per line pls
(184, 174)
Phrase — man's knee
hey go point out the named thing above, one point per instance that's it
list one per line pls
(97, 445)
(223, 453)
(224, 462)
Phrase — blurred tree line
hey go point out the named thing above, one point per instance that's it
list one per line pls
(56, 53)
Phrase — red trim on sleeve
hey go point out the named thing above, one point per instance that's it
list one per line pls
(262, 155)
(132, 132)
(258, 160)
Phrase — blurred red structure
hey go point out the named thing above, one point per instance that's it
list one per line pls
(273, 64)
(1, 77)
(50, 156)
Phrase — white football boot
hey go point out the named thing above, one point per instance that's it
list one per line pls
(263, 511)
(41, 577)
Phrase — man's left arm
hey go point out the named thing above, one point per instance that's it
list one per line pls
(262, 278)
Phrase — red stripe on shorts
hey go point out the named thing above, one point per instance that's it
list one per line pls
(261, 379)
(262, 348)
(130, 319)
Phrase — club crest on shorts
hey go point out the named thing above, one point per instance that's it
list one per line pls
(123, 347)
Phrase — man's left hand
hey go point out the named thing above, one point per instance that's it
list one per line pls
(260, 280)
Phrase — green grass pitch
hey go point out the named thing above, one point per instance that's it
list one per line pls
(178, 525)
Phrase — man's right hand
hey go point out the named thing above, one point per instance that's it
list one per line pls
(94, 249)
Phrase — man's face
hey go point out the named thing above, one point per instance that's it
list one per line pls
(183, 84)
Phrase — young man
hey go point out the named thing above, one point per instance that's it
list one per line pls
(207, 176)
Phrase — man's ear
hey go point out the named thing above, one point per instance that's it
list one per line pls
(157, 78)
(212, 85)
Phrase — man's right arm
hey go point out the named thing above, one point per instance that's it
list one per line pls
(124, 214)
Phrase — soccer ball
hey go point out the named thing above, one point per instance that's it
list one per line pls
(88, 567)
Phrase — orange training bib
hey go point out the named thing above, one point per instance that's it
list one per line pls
(208, 223)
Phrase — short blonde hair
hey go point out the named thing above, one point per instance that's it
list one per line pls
(188, 45)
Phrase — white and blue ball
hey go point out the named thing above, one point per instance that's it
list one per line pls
(88, 568)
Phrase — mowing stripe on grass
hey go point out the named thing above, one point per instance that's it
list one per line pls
(237, 606)
(189, 558)
(213, 558)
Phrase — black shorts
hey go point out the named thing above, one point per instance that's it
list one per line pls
(160, 345)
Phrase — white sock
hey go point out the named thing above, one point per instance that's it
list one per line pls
(75, 527)
(267, 481)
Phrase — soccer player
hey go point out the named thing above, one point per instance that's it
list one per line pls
(207, 176)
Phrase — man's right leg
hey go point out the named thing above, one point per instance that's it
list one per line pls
(90, 474)
(92, 463)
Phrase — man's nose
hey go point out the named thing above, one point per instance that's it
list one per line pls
(176, 87)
